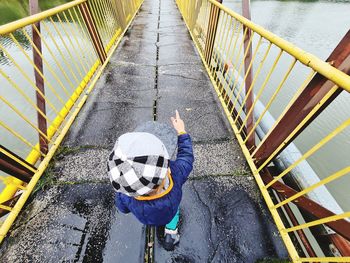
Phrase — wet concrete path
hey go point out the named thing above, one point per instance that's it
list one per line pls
(72, 217)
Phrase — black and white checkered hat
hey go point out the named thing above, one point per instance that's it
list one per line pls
(138, 163)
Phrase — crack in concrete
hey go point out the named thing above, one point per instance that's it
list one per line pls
(209, 176)
(67, 150)
(200, 117)
(131, 106)
(174, 44)
(209, 211)
(172, 26)
(212, 256)
(214, 141)
(156, 79)
(58, 183)
(181, 76)
(72, 227)
(15, 227)
(136, 90)
(180, 63)
(150, 230)
(126, 63)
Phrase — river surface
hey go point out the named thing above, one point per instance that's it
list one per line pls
(315, 26)
(11, 10)
(73, 66)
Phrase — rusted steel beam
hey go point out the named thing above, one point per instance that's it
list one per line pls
(93, 32)
(211, 32)
(303, 238)
(248, 81)
(39, 81)
(341, 244)
(13, 168)
(11, 203)
(300, 232)
(342, 226)
(310, 97)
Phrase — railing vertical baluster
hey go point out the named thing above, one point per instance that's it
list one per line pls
(119, 9)
(22, 174)
(193, 16)
(196, 11)
(212, 28)
(39, 81)
(94, 34)
(318, 94)
(248, 81)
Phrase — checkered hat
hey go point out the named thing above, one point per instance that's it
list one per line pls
(138, 163)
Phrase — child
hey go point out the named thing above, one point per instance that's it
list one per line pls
(148, 184)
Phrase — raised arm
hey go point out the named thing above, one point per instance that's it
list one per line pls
(185, 151)
(184, 160)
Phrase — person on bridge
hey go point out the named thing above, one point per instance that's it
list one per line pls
(147, 182)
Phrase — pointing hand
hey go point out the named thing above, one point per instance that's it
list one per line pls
(178, 123)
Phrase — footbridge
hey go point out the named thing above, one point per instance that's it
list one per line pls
(75, 77)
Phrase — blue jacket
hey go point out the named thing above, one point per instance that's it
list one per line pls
(159, 212)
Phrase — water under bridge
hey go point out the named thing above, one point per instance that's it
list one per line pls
(139, 61)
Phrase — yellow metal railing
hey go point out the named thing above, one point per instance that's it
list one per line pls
(248, 65)
(77, 39)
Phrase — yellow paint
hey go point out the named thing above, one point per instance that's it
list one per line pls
(318, 222)
(309, 60)
(322, 67)
(54, 132)
(86, 83)
(325, 259)
(314, 149)
(10, 27)
(290, 247)
(324, 181)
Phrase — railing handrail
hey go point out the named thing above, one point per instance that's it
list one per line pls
(12, 26)
(308, 59)
(225, 40)
(81, 22)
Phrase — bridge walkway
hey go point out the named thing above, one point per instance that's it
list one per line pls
(72, 218)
